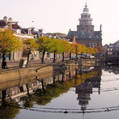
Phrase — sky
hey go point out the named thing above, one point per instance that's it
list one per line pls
(61, 15)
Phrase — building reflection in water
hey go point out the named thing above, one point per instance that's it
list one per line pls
(112, 68)
(15, 89)
(84, 80)
(86, 89)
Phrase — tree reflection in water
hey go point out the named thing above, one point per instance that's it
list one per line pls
(48, 92)
(8, 110)
(42, 97)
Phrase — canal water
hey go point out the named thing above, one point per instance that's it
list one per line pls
(88, 93)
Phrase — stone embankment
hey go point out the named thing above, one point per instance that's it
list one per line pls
(19, 76)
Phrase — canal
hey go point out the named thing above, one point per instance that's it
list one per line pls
(86, 93)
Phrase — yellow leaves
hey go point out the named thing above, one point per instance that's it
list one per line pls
(99, 49)
(50, 44)
(79, 48)
(8, 42)
(58, 45)
(30, 43)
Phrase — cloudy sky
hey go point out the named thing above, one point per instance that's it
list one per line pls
(61, 15)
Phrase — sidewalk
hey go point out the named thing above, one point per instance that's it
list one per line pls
(14, 65)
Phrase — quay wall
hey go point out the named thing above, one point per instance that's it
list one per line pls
(21, 76)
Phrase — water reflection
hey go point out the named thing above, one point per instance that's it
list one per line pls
(42, 91)
(112, 68)
(8, 110)
(86, 88)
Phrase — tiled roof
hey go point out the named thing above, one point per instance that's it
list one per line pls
(2, 23)
(15, 26)
(72, 33)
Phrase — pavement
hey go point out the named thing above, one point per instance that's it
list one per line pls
(15, 64)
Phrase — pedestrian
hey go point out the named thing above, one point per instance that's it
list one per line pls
(4, 65)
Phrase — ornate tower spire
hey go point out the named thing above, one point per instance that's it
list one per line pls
(86, 10)
(86, 3)
(85, 16)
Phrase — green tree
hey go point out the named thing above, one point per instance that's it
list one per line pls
(56, 47)
(29, 46)
(72, 49)
(44, 44)
(67, 47)
(8, 44)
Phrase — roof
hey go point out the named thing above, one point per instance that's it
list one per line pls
(24, 30)
(2, 23)
(71, 33)
(94, 35)
(15, 26)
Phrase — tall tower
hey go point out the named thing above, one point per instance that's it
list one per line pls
(85, 27)
(85, 17)
(85, 33)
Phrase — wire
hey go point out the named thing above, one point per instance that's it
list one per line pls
(64, 110)
(70, 110)
(54, 108)
(102, 90)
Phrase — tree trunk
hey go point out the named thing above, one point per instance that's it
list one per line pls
(63, 57)
(76, 73)
(54, 79)
(76, 54)
(28, 56)
(70, 55)
(9, 56)
(43, 55)
(43, 87)
(4, 63)
(54, 60)
(3, 95)
(69, 75)
(21, 89)
(27, 87)
(62, 76)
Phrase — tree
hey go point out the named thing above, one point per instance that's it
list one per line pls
(44, 45)
(76, 50)
(57, 47)
(72, 50)
(91, 50)
(67, 47)
(99, 49)
(8, 43)
(29, 45)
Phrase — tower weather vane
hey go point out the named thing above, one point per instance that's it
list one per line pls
(86, 2)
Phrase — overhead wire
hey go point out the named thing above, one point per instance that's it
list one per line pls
(78, 111)
(70, 110)
(101, 90)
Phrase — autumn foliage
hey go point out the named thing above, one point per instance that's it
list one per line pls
(10, 43)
